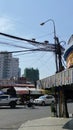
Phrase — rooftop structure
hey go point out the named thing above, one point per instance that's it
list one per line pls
(68, 56)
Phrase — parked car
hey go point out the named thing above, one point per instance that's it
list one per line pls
(44, 100)
(7, 100)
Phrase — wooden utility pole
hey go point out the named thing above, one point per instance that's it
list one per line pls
(62, 98)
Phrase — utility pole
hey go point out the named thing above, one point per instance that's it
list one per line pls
(63, 111)
(59, 67)
(56, 44)
(58, 55)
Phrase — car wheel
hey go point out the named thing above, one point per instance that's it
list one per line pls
(13, 104)
(43, 103)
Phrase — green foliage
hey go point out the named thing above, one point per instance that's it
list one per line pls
(52, 89)
(47, 91)
(31, 74)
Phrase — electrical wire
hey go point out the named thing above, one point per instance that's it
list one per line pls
(35, 43)
(11, 44)
(39, 59)
(25, 53)
(50, 58)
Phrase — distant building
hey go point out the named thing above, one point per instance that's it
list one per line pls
(19, 72)
(9, 66)
(22, 80)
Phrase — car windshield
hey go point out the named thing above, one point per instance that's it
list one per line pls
(42, 97)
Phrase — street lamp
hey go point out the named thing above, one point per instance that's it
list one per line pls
(54, 38)
(59, 67)
(55, 42)
(53, 25)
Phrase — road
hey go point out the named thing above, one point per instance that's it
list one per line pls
(11, 119)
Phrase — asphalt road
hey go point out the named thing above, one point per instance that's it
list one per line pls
(11, 119)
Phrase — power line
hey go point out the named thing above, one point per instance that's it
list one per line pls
(38, 59)
(19, 38)
(49, 47)
(10, 44)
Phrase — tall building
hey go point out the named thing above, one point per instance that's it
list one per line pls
(9, 66)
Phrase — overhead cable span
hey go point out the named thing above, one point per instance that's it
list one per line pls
(45, 47)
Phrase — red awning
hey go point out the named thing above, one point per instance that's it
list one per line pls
(20, 90)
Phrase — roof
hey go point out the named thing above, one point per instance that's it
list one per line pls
(21, 90)
(69, 47)
(17, 85)
(68, 51)
(25, 85)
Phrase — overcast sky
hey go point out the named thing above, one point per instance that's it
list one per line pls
(23, 17)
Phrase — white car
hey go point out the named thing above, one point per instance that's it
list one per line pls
(44, 100)
(7, 100)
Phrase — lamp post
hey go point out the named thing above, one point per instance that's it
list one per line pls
(57, 53)
(53, 25)
(58, 64)
(55, 41)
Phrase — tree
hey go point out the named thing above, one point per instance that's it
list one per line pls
(31, 74)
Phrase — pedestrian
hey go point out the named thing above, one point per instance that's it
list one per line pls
(53, 108)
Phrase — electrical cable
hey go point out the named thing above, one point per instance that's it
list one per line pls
(38, 59)
(10, 44)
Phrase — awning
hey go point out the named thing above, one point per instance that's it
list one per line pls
(21, 90)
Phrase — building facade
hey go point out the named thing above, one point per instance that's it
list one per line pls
(68, 56)
(9, 66)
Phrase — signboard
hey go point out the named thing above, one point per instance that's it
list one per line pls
(70, 60)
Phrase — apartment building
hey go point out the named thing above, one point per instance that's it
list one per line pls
(9, 66)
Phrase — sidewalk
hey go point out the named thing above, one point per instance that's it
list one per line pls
(49, 123)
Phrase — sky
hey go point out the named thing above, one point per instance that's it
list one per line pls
(22, 18)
